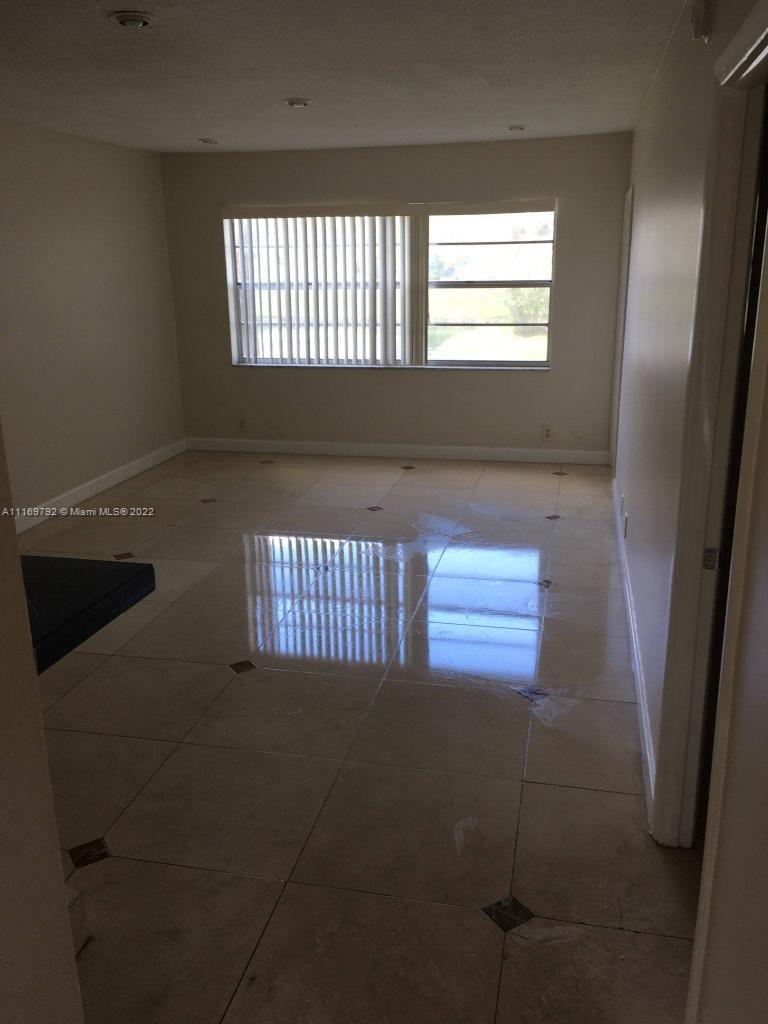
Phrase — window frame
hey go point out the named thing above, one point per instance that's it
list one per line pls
(421, 212)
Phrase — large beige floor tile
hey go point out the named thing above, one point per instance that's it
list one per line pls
(142, 697)
(103, 537)
(254, 584)
(64, 676)
(220, 631)
(574, 571)
(120, 630)
(174, 577)
(268, 488)
(287, 712)
(478, 656)
(578, 664)
(408, 832)
(577, 538)
(507, 505)
(350, 495)
(590, 503)
(449, 728)
(193, 485)
(34, 538)
(405, 524)
(428, 495)
(558, 973)
(497, 530)
(232, 810)
(95, 778)
(196, 543)
(589, 743)
(321, 522)
(586, 856)
(246, 516)
(333, 957)
(168, 944)
(602, 612)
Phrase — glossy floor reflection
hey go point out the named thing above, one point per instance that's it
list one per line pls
(363, 702)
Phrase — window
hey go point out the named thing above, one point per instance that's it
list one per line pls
(450, 289)
(490, 277)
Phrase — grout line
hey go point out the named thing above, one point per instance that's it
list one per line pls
(576, 922)
(77, 685)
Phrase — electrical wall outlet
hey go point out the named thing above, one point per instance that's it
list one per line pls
(547, 433)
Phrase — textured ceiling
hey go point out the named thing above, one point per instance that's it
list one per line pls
(379, 71)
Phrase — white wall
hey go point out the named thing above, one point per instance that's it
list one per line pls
(670, 166)
(494, 408)
(88, 361)
(38, 979)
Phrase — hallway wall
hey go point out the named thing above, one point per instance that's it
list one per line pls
(670, 166)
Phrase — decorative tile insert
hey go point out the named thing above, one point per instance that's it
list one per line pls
(242, 666)
(530, 693)
(123, 554)
(89, 853)
(508, 913)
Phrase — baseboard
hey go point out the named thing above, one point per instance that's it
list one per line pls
(101, 483)
(412, 451)
(646, 734)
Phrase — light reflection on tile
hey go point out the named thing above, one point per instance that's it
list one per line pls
(481, 602)
(288, 549)
(453, 653)
(353, 596)
(469, 560)
(327, 645)
(419, 557)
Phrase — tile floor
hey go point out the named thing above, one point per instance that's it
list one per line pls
(293, 776)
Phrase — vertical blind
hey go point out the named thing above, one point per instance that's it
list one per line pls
(334, 290)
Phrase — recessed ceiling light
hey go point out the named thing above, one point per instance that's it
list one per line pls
(209, 142)
(517, 127)
(298, 101)
(131, 19)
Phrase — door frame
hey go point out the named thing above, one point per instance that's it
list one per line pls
(726, 245)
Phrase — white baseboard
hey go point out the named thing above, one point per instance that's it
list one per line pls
(101, 483)
(406, 451)
(646, 734)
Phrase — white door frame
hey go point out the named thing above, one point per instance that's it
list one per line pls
(725, 254)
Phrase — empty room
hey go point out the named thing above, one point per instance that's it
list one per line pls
(384, 466)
